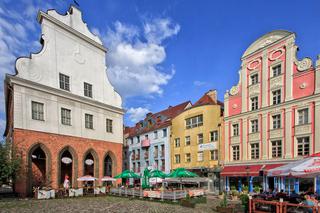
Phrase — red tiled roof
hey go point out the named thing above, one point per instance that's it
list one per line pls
(159, 120)
(204, 100)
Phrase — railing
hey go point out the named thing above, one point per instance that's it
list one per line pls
(163, 195)
(261, 206)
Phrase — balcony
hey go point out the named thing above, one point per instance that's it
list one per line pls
(302, 129)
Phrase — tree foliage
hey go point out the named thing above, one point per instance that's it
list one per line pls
(10, 163)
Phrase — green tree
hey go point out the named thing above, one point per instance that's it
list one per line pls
(10, 163)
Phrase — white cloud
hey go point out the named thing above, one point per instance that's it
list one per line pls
(200, 83)
(137, 114)
(135, 56)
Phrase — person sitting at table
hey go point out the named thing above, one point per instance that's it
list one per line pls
(281, 194)
(309, 202)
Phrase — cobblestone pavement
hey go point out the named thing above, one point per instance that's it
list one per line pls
(98, 204)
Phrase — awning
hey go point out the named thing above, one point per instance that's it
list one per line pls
(145, 143)
(267, 167)
(240, 171)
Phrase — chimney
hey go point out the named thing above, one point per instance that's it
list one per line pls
(213, 95)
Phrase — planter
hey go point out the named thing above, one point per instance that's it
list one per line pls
(43, 194)
(224, 209)
(78, 192)
(187, 203)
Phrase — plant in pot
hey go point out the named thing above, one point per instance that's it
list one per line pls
(223, 207)
(187, 202)
(245, 201)
(234, 194)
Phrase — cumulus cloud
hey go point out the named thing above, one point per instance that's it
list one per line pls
(136, 54)
(137, 114)
(19, 35)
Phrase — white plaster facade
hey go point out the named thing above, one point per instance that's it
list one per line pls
(71, 49)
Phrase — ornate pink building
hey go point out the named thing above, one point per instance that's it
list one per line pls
(273, 115)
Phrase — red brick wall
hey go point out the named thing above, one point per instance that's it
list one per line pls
(24, 140)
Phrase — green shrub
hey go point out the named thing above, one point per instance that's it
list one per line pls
(245, 201)
(224, 201)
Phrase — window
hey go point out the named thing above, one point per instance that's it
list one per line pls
(155, 152)
(254, 126)
(214, 136)
(276, 70)
(254, 103)
(213, 154)
(37, 111)
(109, 125)
(276, 97)
(303, 146)
(255, 151)
(89, 121)
(276, 149)
(134, 167)
(254, 79)
(194, 122)
(66, 116)
(64, 82)
(200, 156)
(235, 128)
(138, 139)
(303, 116)
(188, 157)
(236, 152)
(163, 167)
(164, 131)
(187, 140)
(155, 133)
(200, 138)
(276, 121)
(177, 158)
(177, 142)
(87, 90)
(138, 169)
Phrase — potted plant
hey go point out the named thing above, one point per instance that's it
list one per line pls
(187, 202)
(223, 206)
(234, 195)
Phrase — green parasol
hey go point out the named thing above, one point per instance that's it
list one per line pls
(182, 172)
(145, 180)
(127, 174)
(157, 174)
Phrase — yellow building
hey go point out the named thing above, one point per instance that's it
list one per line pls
(196, 136)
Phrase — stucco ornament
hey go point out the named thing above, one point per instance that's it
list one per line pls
(235, 89)
(303, 85)
(272, 56)
(234, 106)
(304, 64)
(78, 57)
(254, 64)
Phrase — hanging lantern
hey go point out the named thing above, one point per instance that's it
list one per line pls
(89, 162)
(66, 160)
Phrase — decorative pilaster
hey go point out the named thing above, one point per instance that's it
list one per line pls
(264, 131)
(244, 139)
(264, 81)
(317, 126)
(288, 133)
(290, 56)
(317, 75)
(244, 86)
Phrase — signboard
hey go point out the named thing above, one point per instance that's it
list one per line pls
(207, 146)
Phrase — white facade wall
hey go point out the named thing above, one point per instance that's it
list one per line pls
(71, 49)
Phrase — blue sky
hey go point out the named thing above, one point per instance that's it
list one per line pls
(165, 52)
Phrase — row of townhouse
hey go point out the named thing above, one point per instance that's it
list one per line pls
(186, 135)
(270, 118)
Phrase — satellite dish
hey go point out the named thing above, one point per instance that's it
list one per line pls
(89, 162)
(66, 160)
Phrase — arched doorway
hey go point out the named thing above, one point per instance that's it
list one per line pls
(38, 168)
(66, 162)
(89, 164)
(107, 166)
